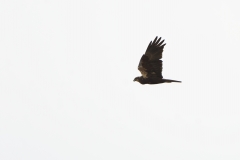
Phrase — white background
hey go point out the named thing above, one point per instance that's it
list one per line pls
(67, 90)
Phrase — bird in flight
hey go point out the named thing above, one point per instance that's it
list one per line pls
(150, 64)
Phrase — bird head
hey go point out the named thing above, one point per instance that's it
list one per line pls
(136, 79)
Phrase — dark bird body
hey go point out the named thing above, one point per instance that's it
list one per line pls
(150, 64)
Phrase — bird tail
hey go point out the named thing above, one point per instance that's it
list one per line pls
(169, 81)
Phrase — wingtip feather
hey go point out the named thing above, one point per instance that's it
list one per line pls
(154, 41)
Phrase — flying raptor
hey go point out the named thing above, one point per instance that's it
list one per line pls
(150, 64)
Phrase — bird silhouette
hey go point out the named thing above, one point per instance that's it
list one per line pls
(150, 64)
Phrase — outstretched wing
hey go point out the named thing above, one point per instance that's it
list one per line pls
(150, 64)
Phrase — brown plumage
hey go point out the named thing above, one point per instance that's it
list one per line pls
(150, 64)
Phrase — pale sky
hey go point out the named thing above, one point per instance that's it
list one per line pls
(67, 90)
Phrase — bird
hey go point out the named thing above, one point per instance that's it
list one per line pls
(150, 64)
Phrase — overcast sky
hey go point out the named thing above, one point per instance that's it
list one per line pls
(67, 90)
